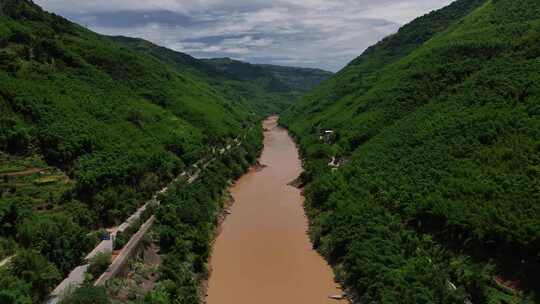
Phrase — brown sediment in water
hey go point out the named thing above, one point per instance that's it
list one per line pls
(263, 254)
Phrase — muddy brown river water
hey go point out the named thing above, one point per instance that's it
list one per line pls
(263, 254)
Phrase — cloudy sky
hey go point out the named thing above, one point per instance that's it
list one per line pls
(311, 33)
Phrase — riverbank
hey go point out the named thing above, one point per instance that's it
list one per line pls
(187, 218)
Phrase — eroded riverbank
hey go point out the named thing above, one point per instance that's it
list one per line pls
(263, 254)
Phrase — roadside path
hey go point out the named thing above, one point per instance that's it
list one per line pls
(125, 253)
(77, 275)
(25, 172)
(127, 250)
(133, 243)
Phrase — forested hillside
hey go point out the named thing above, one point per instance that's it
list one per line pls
(434, 193)
(89, 129)
(273, 85)
(273, 78)
(267, 88)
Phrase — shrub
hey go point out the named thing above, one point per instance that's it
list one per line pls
(87, 294)
(14, 136)
(99, 264)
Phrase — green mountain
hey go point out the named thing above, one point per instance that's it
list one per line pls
(436, 135)
(273, 78)
(90, 127)
(267, 88)
(270, 88)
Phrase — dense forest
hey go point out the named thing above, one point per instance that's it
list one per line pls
(186, 223)
(423, 156)
(268, 88)
(90, 128)
(281, 86)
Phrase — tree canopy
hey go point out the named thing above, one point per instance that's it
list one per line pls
(436, 138)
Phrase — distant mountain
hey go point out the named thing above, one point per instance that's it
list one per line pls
(426, 188)
(280, 86)
(300, 79)
(274, 78)
(271, 89)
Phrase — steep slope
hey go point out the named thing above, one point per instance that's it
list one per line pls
(264, 88)
(284, 84)
(299, 79)
(436, 137)
(82, 101)
(274, 78)
(88, 130)
(364, 72)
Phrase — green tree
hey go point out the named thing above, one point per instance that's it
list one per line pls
(32, 267)
(99, 264)
(13, 289)
(158, 295)
(55, 237)
(87, 294)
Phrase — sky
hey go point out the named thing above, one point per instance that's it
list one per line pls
(325, 34)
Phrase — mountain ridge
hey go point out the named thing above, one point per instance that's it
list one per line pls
(271, 91)
(435, 134)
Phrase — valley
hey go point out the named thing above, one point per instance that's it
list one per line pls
(132, 173)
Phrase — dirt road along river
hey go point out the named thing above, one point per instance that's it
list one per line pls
(263, 254)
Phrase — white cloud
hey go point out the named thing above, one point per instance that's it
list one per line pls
(315, 33)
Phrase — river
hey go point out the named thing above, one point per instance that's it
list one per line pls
(263, 254)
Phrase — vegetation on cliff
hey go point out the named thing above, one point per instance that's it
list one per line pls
(436, 137)
(89, 129)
